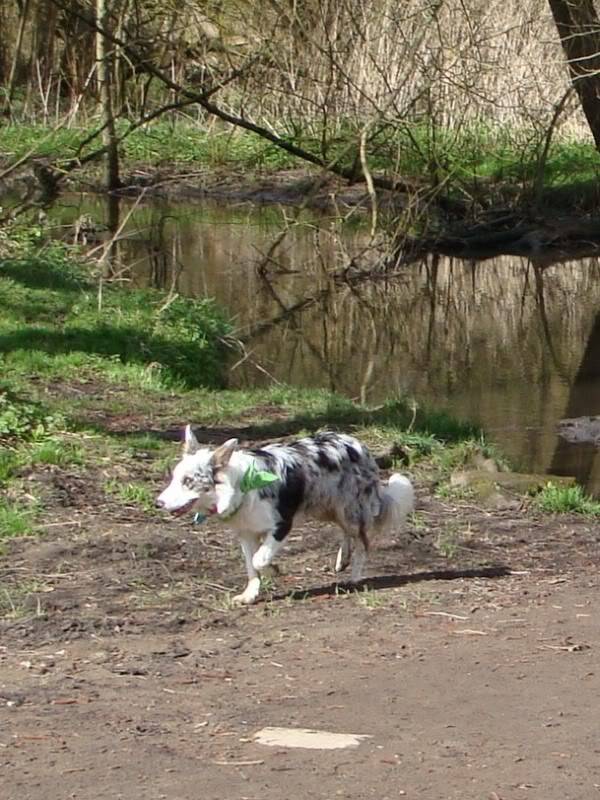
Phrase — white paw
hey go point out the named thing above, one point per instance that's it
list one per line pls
(249, 595)
(262, 558)
(246, 598)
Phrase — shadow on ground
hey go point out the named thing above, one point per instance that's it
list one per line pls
(393, 581)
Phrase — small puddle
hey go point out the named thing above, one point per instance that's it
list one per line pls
(309, 739)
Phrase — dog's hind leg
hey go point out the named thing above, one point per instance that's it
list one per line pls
(344, 554)
(250, 594)
(359, 555)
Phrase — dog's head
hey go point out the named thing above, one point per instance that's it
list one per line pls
(203, 479)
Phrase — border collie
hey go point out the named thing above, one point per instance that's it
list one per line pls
(259, 493)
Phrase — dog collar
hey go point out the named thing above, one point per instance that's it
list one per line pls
(252, 479)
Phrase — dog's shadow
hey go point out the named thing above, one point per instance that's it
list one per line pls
(393, 581)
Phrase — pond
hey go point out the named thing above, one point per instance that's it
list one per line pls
(504, 343)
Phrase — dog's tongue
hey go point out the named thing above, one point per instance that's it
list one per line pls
(212, 510)
(181, 511)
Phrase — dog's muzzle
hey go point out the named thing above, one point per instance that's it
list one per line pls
(179, 512)
(176, 512)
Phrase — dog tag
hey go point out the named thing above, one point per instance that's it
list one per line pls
(199, 518)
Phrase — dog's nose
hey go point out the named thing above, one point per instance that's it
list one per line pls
(158, 503)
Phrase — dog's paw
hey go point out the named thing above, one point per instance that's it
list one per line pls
(249, 595)
(244, 599)
(262, 558)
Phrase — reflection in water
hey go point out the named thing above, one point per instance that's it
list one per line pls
(583, 458)
(509, 345)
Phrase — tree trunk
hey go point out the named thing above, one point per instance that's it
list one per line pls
(12, 80)
(579, 30)
(104, 77)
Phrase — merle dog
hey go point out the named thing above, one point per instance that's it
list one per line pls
(260, 492)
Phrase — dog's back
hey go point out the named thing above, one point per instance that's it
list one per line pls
(334, 476)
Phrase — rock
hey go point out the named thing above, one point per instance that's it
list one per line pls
(580, 430)
(496, 488)
(309, 739)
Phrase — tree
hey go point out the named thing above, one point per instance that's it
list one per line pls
(579, 30)
(104, 74)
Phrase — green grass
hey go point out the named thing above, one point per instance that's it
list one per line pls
(10, 463)
(483, 152)
(467, 452)
(132, 494)
(56, 452)
(157, 145)
(15, 520)
(307, 410)
(21, 419)
(57, 347)
(50, 323)
(566, 499)
(449, 541)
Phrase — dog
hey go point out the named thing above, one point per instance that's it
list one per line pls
(260, 492)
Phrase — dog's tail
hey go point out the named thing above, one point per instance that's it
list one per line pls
(398, 500)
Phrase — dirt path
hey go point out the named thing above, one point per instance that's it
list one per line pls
(124, 673)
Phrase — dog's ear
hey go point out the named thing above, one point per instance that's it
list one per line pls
(190, 443)
(221, 456)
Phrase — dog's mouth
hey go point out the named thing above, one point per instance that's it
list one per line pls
(179, 512)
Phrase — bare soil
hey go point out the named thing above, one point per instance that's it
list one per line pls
(469, 658)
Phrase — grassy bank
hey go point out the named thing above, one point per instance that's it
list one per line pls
(62, 339)
(59, 318)
(465, 156)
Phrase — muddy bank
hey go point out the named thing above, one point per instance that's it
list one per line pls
(299, 187)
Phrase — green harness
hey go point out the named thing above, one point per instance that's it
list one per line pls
(252, 479)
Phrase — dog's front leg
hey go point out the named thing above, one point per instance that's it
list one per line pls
(250, 594)
(266, 552)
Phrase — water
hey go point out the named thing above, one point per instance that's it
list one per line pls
(502, 343)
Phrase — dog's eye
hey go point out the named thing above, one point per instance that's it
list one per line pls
(188, 483)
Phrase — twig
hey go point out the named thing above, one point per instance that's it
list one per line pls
(57, 524)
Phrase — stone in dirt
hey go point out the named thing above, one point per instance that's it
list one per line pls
(310, 739)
